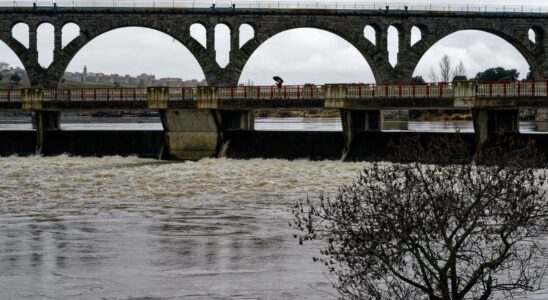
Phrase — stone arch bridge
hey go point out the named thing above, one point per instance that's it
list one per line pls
(194, 130)
(346, 23)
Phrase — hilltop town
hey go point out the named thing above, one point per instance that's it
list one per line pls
(142, 80)
(15, 77)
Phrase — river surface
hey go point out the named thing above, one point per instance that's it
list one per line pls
(284, 124)
(118, 228)
(126, 228)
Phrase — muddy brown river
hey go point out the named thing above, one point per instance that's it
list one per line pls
(119, 228)
(132, 228)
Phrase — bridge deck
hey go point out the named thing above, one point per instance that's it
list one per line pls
(524, 94)
(224, 6)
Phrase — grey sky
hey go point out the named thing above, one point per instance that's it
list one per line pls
(299, 56)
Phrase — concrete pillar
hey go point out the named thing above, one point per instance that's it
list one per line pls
(193, 134)
(491, 123)
(42, 122)
(464, 93)
(356, 121)
(190, 134)
(541, 119)
(335, 95)
(31, 99)
(158, 97)
(236, 119)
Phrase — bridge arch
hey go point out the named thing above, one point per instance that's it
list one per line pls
(253, 47)
(187, 44)
(272, 46)
(516, 42)
(12, 59)
(20, 32)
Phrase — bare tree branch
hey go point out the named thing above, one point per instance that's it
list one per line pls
(453, 229)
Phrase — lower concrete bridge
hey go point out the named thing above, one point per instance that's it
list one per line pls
(195, 120)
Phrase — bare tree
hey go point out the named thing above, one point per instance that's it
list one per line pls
(451, 230)
(446, 71)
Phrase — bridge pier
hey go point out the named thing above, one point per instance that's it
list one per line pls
(355, 122)
(193, 134)
(492, 123)
(190, 134)
(542, 120)
(42, 120)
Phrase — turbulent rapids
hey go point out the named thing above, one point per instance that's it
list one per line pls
(114, 227)
(119, 228)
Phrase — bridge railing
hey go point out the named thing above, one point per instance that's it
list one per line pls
(10, 95)
(372, 91)
(513, 89)
(95, 95)
(302, 4)
(307, 92)
(184, 93)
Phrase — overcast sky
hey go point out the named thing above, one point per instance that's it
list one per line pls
(299, 56)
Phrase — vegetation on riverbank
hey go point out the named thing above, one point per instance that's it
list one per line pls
(435, 226)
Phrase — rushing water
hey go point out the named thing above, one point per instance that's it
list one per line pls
(117, 228)
(121, 228)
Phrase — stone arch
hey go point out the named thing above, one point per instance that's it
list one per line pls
(416, 34)
(45, 35)
(516, 36)
(66, 36)
(371, 33)
(538, 33)
(241, 29)
(25, 30)
(79, 43)
(394, 34)
(222, 31)
(255, 44)
(202, 39)
(10, 57)
(27, 56)
(365, 47)
(512, 42)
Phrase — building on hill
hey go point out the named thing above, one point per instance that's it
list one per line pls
(143, 80)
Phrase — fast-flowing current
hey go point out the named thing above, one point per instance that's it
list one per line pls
(119, 228)
(126, 228)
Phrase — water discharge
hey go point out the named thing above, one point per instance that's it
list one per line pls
(116, 227)
(121, 228)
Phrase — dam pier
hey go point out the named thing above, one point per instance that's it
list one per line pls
(200, 122)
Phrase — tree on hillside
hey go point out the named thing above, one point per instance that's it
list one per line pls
(3, 67)
(446, 70)
(15, 79)
(449, 230)
(417, 79)
(496, 74)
